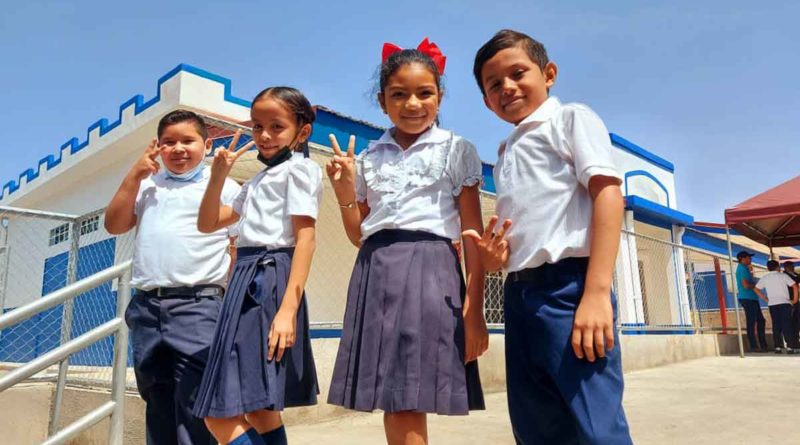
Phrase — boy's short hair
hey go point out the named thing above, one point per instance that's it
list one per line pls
(178, 116)
(772, 265)
(504, 39)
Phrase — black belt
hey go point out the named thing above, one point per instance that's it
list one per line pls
(201, 290)
(548, 272)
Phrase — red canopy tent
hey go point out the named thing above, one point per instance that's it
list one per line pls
(771, 218)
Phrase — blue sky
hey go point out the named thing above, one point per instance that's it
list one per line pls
(711, 86)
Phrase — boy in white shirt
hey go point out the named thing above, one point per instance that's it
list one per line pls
(179, 275)
(776, 285)
(559, 197)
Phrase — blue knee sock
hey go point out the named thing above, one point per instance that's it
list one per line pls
(275, 437)
(250, 437)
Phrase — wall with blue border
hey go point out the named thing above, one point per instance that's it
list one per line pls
(327, 122)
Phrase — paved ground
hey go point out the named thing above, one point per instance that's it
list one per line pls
(720, 400)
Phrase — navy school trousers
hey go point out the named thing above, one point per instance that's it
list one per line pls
(554, 397)
(171, 337)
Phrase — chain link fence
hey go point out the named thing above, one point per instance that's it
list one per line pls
(664, 286)
(41, 252)
(661, 286)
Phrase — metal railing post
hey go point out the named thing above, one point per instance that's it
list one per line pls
(120, 367)
(735, 290)
(66, 328)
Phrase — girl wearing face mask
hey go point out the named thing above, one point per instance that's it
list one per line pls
(260, 361)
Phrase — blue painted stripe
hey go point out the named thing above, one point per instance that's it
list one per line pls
(656, 212)
(635, 173)
(137, 101)
(327, 122)
(337, 332)
(640, 152)
(660, 332)
(718, 246)
(718, 230)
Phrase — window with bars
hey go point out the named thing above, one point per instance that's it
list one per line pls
(90, 225)
(59, 234)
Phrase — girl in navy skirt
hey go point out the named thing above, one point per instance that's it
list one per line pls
(412, 328)
(260, 361)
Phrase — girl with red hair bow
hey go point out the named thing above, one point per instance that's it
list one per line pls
(412, 328)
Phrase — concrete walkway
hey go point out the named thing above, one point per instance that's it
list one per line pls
(720, 400)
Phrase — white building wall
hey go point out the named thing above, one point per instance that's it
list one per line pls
(642, 185)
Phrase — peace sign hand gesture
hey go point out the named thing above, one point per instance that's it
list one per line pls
(342, 167)
(493, 248)
(147, 164)
(225, 158)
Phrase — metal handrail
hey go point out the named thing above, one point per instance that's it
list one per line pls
(37, 213)
(61, 295)
(115, 326)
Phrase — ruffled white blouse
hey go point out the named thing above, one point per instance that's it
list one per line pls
(416, 188)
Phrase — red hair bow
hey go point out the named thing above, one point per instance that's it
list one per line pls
(426, 47)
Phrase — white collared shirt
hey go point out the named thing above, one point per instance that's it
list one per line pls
(777, 285)
(416, 188)
(169, 250)
(269, 199)
(542, 179)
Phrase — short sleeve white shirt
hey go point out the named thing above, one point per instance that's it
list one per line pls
(268, 201)
(542, 177)
(776, 284)
(416, 188)
(169, 250)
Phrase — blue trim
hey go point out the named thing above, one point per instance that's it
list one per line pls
(327, 122)
(661, 332)
(718, 246)
(337, 332)
(717, 230)
(137, 101)
(647, 174)
(638, 151)
(325, 333)
(656, 212)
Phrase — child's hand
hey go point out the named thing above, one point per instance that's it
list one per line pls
(476, 336)
(147, 164)
(342, 168)
(225, 158)
(593, 328)
(281, 333)
(493, 248)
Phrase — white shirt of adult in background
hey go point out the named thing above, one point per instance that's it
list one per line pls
(776, 284)
(169, 250)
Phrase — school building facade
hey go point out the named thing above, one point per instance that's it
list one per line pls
(81, 177)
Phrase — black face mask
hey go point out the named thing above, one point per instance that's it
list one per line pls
(283, 155)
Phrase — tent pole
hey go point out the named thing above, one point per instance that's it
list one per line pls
(735, 291)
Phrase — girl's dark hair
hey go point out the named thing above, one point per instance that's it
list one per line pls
(402, 58)
(296, 102)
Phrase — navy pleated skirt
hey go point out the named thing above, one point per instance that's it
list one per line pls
(402, 346)
(238, 378)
